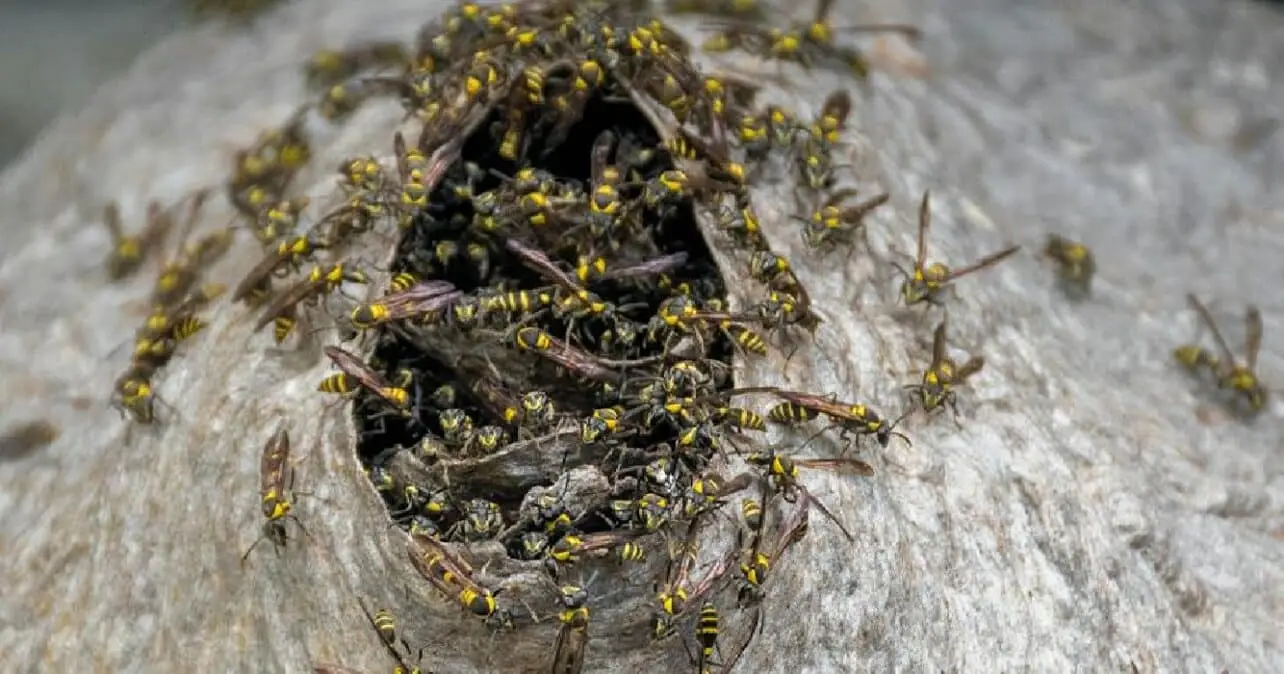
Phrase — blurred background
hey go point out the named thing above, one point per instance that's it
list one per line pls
(56, 53)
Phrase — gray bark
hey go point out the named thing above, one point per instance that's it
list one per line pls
(1094, 513)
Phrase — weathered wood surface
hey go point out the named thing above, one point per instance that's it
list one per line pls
(1094, 514)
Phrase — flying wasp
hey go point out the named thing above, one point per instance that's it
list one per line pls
(1238, 377)
(276, 488)
(927, 281)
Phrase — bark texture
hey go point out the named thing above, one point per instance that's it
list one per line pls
(1093, 513)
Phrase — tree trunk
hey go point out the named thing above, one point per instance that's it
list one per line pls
(1094, 511)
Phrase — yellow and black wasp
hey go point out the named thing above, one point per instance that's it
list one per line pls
(1075, 264)
(572, 638)
(677, 594)
(926, 281)
(832, 222)
(282, 311)
(276, 489)
(761, 555)
(425, 300)
(288, 257)
(781, 472)
(940, 378)
(333, 66)
(572, 548)
(129, 251)
(385, 625)
(452, 576)
(354, 374)
(1238, 377)
(850, 418)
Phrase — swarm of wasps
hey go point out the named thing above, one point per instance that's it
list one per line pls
(552, 293)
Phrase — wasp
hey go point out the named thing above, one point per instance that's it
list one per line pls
(704, 494)
(1075, 264)
(561, 354)
(179, 321)
(602, 423)
(926, 281)
(282, 310)
(596, 269)
(677, 593)
(706, 634)
(133, 396)
(482, 520)
(760, 132)
(343, 99)
(278, 220)
(385, 625)
(276, 488)
(182, 272)
(572, 548)
(831, 222)
(288, 257)
(452, 576)
(807, 46)
(761, 555)
(424, 299)
(129, 251)
(523, 302)
(411, 500)
(569, 103)
(412, 166)
(1238, 377)
(356, 374)
(568, 653)
(513, 139)
(485, 78)
(850, 418)
(943, 374)
(782, 472)
(271, 162)
(682, 314)
(456, 426)
(606, 206)
(331, 66)
(815, 148)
